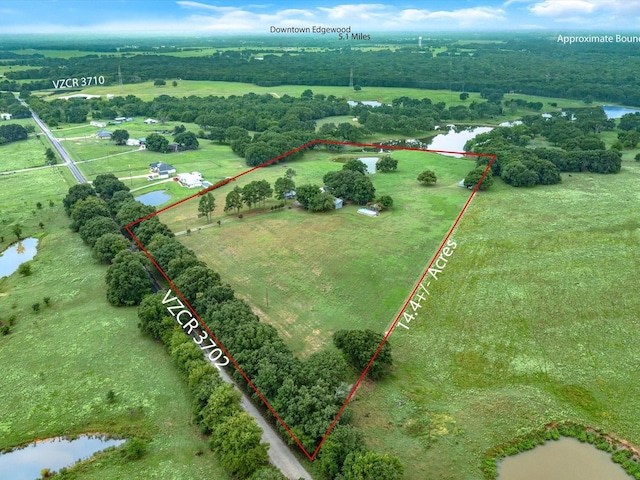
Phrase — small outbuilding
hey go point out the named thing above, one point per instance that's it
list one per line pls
(95, 123)
(337, 203)
(290, 194)
(5, 116)
(368, 212)
(133, 142)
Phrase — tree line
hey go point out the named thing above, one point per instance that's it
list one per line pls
(534, 66)
(12, 132)
(575, 133)
(307, 394)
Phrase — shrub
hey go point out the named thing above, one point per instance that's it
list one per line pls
(134, 449)
(4, 330)
(36, 307)
(25, 269)
(47, 301)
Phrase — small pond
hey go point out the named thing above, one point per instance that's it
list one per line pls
(565, 459)
(54, 454)
(617, 112)
(18, 253)
(454, 139)
(154, 198)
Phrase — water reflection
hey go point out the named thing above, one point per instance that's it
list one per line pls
(19, 253)
(54, 454)
(154, 198)
(565, 459)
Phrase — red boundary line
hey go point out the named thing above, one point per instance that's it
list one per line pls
(312, 456)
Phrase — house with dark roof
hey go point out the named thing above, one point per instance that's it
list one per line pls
(104, 135)
(162, 170)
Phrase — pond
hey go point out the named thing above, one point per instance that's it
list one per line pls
(617, 112)
(54, 454)
(564, 459)
(455, 138)
(14, 256)
(154, 198)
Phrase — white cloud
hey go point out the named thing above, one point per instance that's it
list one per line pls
(579, 10)
(463, 17)
(364, 11)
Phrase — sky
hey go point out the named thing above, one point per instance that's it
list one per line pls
(213, 17)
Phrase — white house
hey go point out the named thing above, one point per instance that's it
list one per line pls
(149, 121)
(133, 142)
(5, 116)
(94, 123)
(190, 180)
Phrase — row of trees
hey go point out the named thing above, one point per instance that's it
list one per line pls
(258, 191)
(306, 394)
(524, 65)
(98, 212)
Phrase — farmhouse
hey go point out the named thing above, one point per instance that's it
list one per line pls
(190, 180)
(95, 123)
(103, 135)
(133, 142)
(149, 121)
(162, 170)
(5, 116)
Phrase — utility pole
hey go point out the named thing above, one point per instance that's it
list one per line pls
(351, 78)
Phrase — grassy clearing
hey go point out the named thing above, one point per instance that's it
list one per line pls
(59, 364)
(324, 272)
(23, 154)
(19, 194)
(534, 320)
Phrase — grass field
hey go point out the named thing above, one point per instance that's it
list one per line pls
(147, 91)
(58, 364)
(325, 272)
(534, 320)
(23, 154)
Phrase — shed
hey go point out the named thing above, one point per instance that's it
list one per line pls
(289, 195)
(95, 123)
(337, 203)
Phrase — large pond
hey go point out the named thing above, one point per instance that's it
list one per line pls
(617, 112)
(21, 252)
(455, 138)
(154, 198)
(565, 459)
(54, 454)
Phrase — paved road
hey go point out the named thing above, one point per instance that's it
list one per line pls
(279, 452)
(56, 145)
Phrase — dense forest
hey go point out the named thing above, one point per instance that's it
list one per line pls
(520, 65)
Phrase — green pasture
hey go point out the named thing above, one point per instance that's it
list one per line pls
(328, 271)
(23, 154)
(19, 194)
(60, 363)
(534, 320)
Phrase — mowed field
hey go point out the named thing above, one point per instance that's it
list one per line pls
(535, 319)
(59, 364)
(328, 271)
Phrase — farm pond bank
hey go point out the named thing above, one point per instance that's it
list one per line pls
(564, 459)
(17, 254)
(55, 453)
